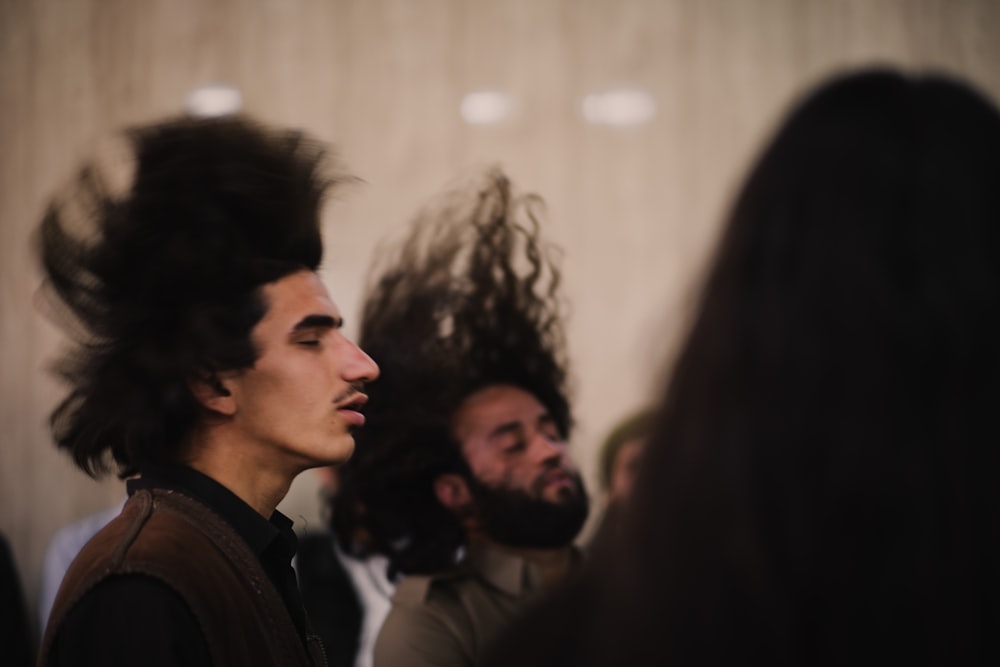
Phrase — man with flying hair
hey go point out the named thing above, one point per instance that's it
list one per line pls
(464, 472)
(210, 368)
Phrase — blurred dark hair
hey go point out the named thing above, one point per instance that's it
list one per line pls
(468, 300)
(164, 288)
(820, 488)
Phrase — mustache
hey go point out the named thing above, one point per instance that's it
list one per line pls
(555, 470)
(353, 390)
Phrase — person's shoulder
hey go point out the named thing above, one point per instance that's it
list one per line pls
(103, 552)
(426, 625)
(120, 591)
(103, 628)
(157, 539)
(70, 538)
(423, 590)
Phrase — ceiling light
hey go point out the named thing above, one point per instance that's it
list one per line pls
(486, 107)
(621, 107)
(214, 100)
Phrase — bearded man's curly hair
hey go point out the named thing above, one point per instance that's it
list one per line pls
(470, 299)
(164, 287)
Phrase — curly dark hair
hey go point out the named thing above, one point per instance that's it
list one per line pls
(164, 287)
(470, 299)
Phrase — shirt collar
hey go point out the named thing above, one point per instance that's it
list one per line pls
(262, 535)
(509, 572)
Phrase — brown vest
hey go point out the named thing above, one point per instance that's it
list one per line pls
(181, 542)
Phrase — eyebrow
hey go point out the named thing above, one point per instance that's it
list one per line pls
(319, 322)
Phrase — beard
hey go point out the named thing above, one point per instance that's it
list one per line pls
(514, 518)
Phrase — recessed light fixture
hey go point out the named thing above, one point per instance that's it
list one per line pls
(214, 100)
(620, 107)
(487, 107)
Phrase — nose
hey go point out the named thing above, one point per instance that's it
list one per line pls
(361, 367)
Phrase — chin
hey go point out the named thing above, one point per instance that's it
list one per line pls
(345, 453)
(339, 451)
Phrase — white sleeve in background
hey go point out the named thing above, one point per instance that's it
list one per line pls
(62, 549)
(371, 583)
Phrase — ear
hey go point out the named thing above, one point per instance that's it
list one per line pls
(453, 492)
(213, 394)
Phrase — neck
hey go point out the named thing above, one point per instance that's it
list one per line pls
(232, 464)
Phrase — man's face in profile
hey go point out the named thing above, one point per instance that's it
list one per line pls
(525, 489)
(299, 403)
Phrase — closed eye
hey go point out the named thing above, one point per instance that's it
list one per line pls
(311, 329)
(548, 428)
(515, 447)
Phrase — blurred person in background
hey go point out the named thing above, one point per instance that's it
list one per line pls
(820, 486)
(345, 584)
(210, 362)
(465, 475)
(15, 631)
(60, 552)
(619, 460)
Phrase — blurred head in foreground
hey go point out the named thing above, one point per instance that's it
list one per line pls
(820, 486)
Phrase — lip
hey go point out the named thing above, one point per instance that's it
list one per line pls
(350, 409)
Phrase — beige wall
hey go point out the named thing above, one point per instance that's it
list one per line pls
(636, 209)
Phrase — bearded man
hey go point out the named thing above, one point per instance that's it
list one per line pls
(464, 470)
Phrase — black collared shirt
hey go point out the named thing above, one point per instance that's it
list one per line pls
(272, 541)
(136, 619)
